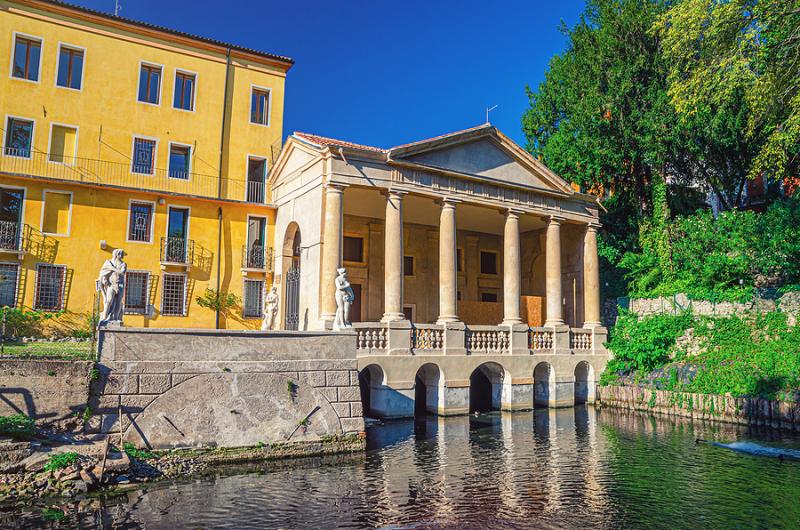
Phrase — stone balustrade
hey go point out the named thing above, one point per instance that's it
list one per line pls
(488, 339)
(541, 340)
(580, 339)
(427, 337)
(373, 338)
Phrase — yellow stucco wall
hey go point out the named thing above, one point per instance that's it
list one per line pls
(108, 115)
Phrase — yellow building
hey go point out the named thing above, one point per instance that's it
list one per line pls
(121, 134)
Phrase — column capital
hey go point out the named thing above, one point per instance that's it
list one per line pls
(555, 219)
(335, 187)
(394, 193)
(448, 202)
(593, 226)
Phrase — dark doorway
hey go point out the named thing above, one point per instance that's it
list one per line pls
(292, 320)
(364, 387)
(480, 392)
(420, 398)
(355, 307)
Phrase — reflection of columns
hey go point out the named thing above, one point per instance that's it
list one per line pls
(447, 263)
(555, 315)
(511, 270)
(393, 258)
(591, 278)
(331, 248)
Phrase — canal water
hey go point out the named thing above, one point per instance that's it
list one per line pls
(570, 468)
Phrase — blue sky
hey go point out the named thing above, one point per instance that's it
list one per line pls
(385, 72)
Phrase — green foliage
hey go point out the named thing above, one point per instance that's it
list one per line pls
(61, 461)
(133, 452)
(217, 301)
(21, 322)
(51, 350)
(17, 426)
(53, 514)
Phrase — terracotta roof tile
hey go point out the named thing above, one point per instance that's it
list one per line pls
(325, 141)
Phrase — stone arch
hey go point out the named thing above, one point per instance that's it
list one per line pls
(428, 390)
(490, 387)
(371, 382)
(290, 265)
(544, 385)
(584, 383)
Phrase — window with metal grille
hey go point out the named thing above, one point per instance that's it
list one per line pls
(149, 83)
(184, 91)
(140, 221)
(27, 53)
(173, 297)
(19, 137)
(70, 67)
(9, 280)
(137, 287)
(259, 107)
(253, 298)
(49, 294)
(144, 155)
(488, 262)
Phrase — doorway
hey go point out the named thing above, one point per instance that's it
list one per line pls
(177, 232)
(292, 318)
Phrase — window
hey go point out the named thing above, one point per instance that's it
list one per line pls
(408, 265)
(173, 300)
(256, 175)
(56, 212)
(184, 91)
(63, 144)
(259, 106)
(149, 84)
(179, 161)
(144, 155)
(488, 262)
(408, 312)
(137, 287)
(70, 68)
(140, 222)
(50, 280)
(11, 201)
(459, 260)
(253, 298)
(27, 53)
(19, 137)
(9, 279)
(488, 297)
(353, 249)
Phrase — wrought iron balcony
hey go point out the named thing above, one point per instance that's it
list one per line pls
(177, 251)
(257, 257)
(11, 236)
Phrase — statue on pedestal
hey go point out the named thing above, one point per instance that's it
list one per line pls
(112, 286)
(344, 297)
(270, 309)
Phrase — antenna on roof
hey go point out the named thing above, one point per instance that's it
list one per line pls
(117, 8)
(488, 110)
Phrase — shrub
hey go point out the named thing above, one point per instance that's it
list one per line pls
(133, 452)
(217, 301)
(61, 461)
(17, 425)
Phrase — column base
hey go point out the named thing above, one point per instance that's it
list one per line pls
(511, 322)
(393, 317)
(591, 325)
(445, 319)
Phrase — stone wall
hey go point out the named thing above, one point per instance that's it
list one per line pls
(52, 392)
(752, 411)
(187, 388)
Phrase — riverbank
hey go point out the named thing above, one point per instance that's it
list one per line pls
(740, 410)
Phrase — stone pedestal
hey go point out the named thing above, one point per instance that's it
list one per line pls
(519, 339)
(399, 337)
(455, 338)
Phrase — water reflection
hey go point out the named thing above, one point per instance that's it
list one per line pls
(563, 468)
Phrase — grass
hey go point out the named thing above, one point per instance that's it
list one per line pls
(79, 351)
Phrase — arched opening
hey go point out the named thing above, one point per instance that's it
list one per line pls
(370, 382)
(489, 387)
(292, 245)
(428, 390)
(584, 383)
(544, 382)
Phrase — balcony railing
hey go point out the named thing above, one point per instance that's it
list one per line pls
(126, 175)
(255, 191)
(11, 236)
(257, 257)
(177, 251)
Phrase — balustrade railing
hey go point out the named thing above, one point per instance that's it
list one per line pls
(370, 338)
(256, 191)
(257, 257)
(487, 339)
(427, 337)
(580, 339)
(10, 235)
(177, 250)
(541, 340)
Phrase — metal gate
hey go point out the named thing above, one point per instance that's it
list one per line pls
(292, 299)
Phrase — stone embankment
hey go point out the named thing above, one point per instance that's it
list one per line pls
(740, 410)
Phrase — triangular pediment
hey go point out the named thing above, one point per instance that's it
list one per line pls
(482, 153)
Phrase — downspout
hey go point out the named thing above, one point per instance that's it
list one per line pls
(219, 181)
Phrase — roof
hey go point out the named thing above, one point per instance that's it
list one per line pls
(324, 141)
(58, 3)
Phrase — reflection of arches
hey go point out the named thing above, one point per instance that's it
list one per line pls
(428, 390)
(489, 388)
(544, 385)
(290, 263)
(584, 383)
(370, 379)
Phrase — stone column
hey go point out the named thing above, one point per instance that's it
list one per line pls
(393, 258)
(591, 278)
(331, 250)
(555, 313)
(511, 270)
(448, 286)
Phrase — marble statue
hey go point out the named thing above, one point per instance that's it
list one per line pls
(112, 286)
(344, 297)
(270, 309)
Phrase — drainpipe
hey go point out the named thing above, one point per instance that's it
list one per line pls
(219, 181)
